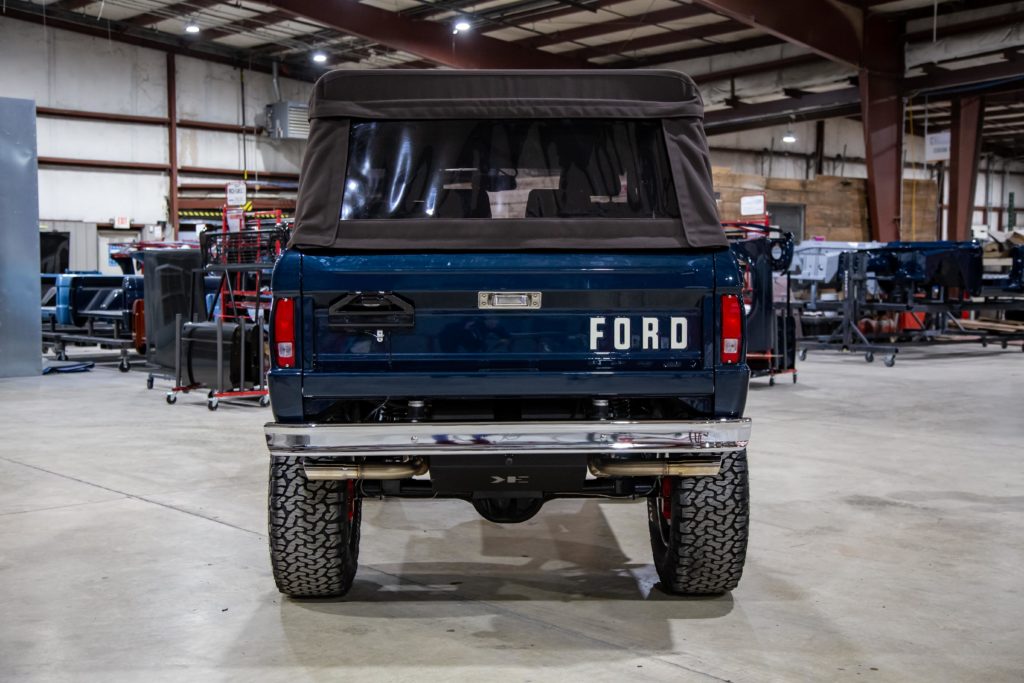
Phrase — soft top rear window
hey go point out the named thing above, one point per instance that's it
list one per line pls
(508, 169)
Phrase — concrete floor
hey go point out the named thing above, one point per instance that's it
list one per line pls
(886, 545)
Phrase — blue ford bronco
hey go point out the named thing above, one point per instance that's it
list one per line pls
(504, 288)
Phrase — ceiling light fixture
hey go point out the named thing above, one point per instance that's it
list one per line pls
(319, 56)
(789, 138)
(191, 27)
(461, 26)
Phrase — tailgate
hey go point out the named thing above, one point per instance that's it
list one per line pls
(539, 315)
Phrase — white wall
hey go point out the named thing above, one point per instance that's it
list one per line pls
(212, 92)
(66, 70)
(844, 138)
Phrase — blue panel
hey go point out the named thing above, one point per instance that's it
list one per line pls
(592, 318)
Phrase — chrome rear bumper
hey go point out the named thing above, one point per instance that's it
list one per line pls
(417, 439)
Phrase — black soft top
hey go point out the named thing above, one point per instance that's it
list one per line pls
(440, 94)
(345, 95)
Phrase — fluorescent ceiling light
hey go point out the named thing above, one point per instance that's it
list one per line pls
(319, 57)
(191, 27)
(462, 25)
(789, 137)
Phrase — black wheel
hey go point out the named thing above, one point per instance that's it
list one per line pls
(699, 528)
(889, 361)
(124, 365)
(1004, 343)
(61, 355)
(212, 403)
(803, 354)
(314, 532)
(870, 356)
(149, 382)
(264, 401)
(771, 381)
(171, 398)
(794, 378)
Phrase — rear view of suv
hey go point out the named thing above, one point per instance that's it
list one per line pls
(505, 288)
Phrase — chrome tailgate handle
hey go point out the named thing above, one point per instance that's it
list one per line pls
(509, 300)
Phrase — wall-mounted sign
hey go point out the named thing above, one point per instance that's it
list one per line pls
(236, 193)
(753, 205)
(936, 146)
(122, 222)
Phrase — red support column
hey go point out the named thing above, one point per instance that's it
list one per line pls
(882, 111)
(172, 146)
(881, 105)
(965, 148)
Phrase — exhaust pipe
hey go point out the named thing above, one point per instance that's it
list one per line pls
(365, 470)
(654, 468)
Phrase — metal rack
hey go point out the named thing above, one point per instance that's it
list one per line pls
(105, 336)
(243, 261)
(93, 324)
(935, 314)
(777, 358)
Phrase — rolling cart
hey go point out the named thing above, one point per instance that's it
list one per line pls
(763, 250)
(235, 368)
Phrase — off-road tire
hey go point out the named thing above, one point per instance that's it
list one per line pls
(314, 532)
(701, 547)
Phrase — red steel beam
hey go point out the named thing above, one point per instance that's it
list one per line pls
(220, 127)
(831, 29)
(188, 203)
(881, 108)
(427, 39)
(103, 165)
(232, 173)
(964, 152)
(55, 113)
(107, 165)
(131, 119)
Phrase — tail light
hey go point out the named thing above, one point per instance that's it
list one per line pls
(284, 332)
(732, 329)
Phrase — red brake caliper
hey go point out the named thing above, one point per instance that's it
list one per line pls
(350, 497)
(666, 498)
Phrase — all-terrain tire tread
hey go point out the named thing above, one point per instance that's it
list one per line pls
(708, 543)
(313, 547)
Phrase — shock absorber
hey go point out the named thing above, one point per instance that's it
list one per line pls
(416, 411)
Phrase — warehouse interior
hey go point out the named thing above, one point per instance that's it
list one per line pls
(867, 160)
